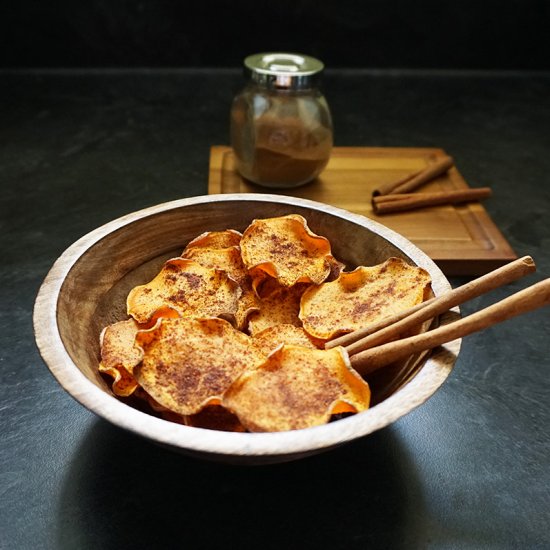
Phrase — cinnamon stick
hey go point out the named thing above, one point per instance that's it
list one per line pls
(522, 302)
(387, 204)
(412, 181)
(473, 289)
(393, 326)
(346, 340)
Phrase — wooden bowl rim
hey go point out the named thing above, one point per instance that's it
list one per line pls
(198, 440)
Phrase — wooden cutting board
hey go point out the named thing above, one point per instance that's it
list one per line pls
(461, 239)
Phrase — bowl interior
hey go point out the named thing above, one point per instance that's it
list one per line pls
(96, 274)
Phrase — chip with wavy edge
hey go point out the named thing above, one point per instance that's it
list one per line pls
(271, 338)
(297, 388)
(118, 353)
(362, 296)
(119, 356)
(286, 249)
(229, 260)
(248, 304)
(188, 363)
(278, 305)
(215, 239)
(187, 287)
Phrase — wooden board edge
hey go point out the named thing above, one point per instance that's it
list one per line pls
(217, 153)
(483, 261)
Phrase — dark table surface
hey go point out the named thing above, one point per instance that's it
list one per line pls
(469, 469)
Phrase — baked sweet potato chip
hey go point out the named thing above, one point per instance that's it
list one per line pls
(297, 388)
(278, 305)
(227, 259)
(187, 287)
(188, 364)
(215, 239)
(361, 297)
(286, 249)
(248, 304)
(119, 355)
(271, 338)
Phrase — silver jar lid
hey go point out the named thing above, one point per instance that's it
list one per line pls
(284, 70)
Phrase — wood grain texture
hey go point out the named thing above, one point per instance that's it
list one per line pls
(461, 239)
(87, 286)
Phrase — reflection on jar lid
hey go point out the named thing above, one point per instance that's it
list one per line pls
(283, 70)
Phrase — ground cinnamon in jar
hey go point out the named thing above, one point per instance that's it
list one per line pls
(281, 129)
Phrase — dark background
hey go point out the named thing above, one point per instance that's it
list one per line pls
(457, 34)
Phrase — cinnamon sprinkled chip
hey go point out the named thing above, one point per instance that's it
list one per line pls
(248, 304)
(229, 260)
(286, 249)
(215, 239)
(119, 355)
(188, 364)
(187, 287)
(278, 305)
(271, 338)
(362, 296)
(297, 388)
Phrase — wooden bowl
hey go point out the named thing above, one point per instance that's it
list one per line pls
(87, 286)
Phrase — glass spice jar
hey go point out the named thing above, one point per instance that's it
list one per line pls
(281, 127)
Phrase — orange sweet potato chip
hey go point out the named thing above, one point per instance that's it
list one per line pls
(271, 338)
(187, 287)
(119, 356)
(227, 259)
(248, 304)
(297, 388)
(286, 249)
(276, 306)
(215, 239)
(189, 363)
(361, 297)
